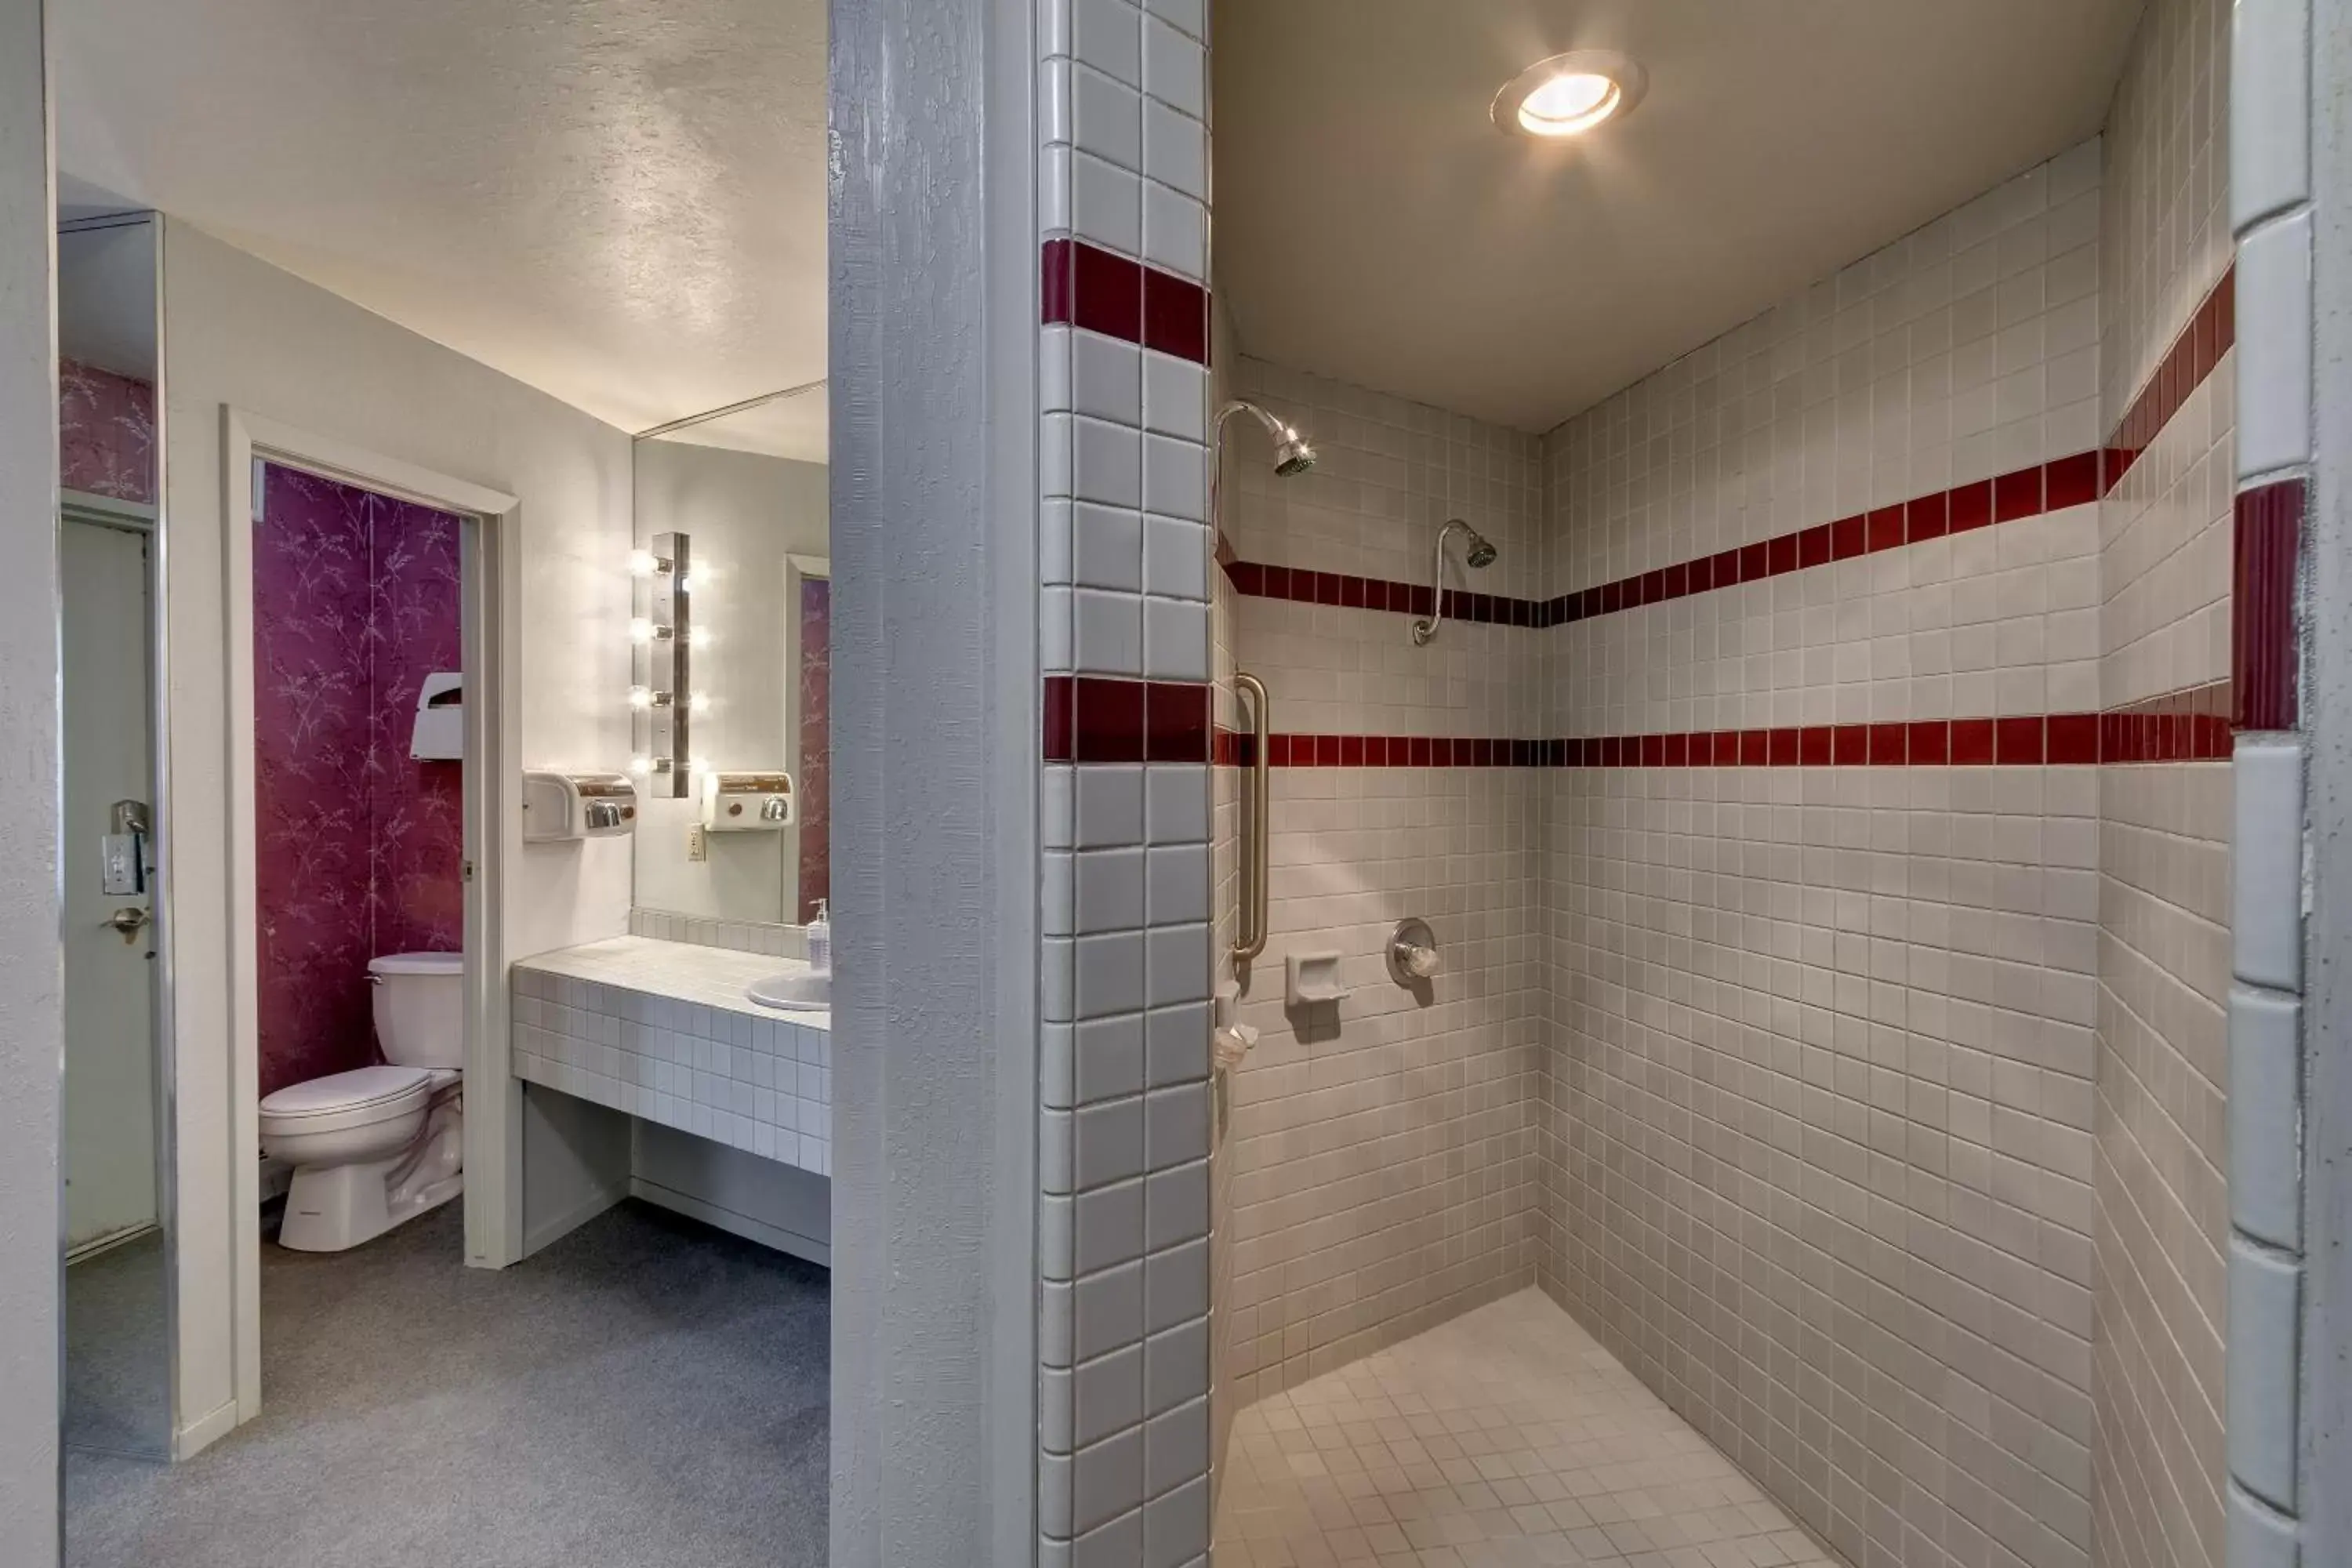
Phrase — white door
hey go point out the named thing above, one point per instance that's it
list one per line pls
(109, 1014)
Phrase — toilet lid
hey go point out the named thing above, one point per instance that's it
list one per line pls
(388, 1090)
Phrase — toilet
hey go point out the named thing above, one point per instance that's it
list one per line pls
(378, 1145)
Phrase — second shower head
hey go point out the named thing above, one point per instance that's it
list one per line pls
(1478, 553)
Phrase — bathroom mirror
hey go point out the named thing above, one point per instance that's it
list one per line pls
(734, 503)
(118, 1212)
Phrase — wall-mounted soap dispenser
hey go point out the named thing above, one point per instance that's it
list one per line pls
(577, 805)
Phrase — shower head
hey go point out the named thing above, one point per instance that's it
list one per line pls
(1292, 454)
(1479, 553)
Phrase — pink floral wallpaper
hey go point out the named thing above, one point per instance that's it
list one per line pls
(355, 601)
(106, 433)
(816, 732)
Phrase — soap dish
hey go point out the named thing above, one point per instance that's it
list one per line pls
(1313, 977)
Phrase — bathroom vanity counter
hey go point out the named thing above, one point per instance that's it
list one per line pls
(663, 1031)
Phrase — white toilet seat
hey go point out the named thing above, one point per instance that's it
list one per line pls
(362, 1098)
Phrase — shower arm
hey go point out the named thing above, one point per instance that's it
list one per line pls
(1427, 628)
(1274, 429)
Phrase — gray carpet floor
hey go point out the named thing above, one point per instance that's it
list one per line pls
(646, 1392)
(118, 1351)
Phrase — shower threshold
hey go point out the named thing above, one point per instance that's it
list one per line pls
(1506, 1439)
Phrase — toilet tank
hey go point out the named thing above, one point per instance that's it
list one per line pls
(420, 1017)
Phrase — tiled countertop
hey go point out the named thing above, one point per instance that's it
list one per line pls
(681, 971)
(662, 1030)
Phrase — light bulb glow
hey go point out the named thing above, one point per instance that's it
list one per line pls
(641, 563)
(699, 702)
(700, 639)
(641, 766)
(685, 583)
(640, 697)
(1570, 94)
(641, 630)
(1570, 104)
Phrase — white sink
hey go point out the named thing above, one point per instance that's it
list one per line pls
(795, 991)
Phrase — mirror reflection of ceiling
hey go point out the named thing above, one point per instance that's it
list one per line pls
(794, 425)
(106, 297)
(619, 202)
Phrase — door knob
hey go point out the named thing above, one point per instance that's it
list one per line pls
(129, 921)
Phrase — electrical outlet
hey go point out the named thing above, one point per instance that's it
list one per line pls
(697, 843)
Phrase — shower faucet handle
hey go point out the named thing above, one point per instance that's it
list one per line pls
(1413, 953)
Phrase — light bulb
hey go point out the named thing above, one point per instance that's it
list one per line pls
(641, 630)
(643, 563)
(699, 702)
(685, 583)
(701, 638)
(641, 766)
(640, 697)
(701, 765)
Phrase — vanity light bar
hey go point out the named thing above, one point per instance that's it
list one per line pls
(663, 659)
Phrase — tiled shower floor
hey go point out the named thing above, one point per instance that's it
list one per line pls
(1506, 1439)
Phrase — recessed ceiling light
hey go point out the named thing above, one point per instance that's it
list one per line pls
(1569, 94)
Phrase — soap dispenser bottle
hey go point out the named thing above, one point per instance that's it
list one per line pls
(820, 940)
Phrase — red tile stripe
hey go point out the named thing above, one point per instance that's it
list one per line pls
(1110, 718)
(2267, 543)
(2028, 492)
(1102, 292)
(2183, 726)
(2211, 330)
(2074, 480)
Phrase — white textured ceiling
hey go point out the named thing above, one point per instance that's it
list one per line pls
(620, 201)
(1373, 225)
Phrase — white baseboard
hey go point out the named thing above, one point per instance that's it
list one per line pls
(202, 1433)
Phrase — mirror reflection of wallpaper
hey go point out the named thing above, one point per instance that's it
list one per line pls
(106, 433)
(816, 744)
(746, 514)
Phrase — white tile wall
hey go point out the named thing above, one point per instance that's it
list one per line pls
(662, 1030)
(1384, 1177)
(1821, 1137)
(2165, 555)
(1998, 621)
(1381, 1169)
(1819, 1157)
(1125, 966)
(2164, 965)
(1968, 348)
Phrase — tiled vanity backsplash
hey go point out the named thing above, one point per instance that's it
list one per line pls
(663, 1031)
(702, 931)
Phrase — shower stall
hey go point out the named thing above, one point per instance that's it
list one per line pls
(1726, 1184)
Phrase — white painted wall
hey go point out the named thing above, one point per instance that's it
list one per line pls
(238, 333)
(31, 973)
(744, 512)
(934, 763)
(2327, 1435)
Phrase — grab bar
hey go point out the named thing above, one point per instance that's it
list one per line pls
(1252, 939)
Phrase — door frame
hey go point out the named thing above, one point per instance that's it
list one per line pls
(88, 509)
(490, 539)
